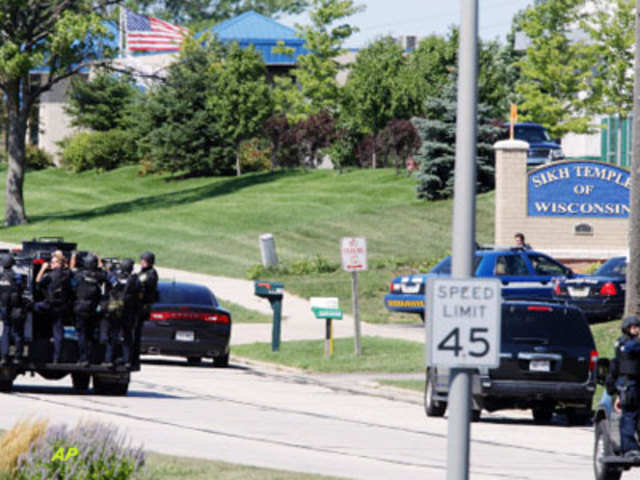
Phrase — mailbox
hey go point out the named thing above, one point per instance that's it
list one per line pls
(272, 291)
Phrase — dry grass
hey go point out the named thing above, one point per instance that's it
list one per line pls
(16, 442)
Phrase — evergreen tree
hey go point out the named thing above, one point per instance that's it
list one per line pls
(436, 155)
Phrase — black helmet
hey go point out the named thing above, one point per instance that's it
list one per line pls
(126, 265)
(90, 262)
(628, 322)
(149, 257)
(7, 261)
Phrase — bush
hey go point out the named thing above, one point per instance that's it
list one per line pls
(15, 443)
(306, 266)
(102, 454)
(37, 159)
(255, 155)
(100, 150)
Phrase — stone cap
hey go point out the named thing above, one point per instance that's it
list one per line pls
(511, 145)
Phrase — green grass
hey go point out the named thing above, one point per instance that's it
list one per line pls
(378, 355)
(417, 385)
(211, 225)
(605, 335)
(165, 467)
(239, 314)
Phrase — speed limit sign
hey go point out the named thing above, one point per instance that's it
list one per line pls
(463, 322)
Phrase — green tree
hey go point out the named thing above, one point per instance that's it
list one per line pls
(175, 130)
(436, 156)
(62, 36)
(100, 103)
(239, 99)
(372, 96)
(555, 69)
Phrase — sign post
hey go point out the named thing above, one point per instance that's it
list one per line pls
(326, 308)
(354, 259)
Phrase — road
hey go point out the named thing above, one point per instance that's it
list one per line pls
(321, 424)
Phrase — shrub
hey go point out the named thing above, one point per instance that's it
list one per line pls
(37, 159)
(100, 150)
(103, 454)
(255, 155)
(15, 443)
(306, 266)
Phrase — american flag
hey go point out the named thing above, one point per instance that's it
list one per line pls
(148, 33)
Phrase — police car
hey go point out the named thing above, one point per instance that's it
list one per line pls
(525, 274)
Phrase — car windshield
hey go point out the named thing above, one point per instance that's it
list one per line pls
(444, 267)
(546, 266)
(531, 134)
(175, 294)
(557, 326)
(614, 267)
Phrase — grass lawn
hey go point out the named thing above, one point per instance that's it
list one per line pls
(165, 467)
(417, 385)
(378, 355)
(212, 225)
(239, 314)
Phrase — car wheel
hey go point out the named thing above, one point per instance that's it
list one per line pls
(601, 449)
(542, 415)
(194, 360)
(110, 388)
(579, 415)
(222, 361)
(475, 415)
(432, 407)
(6, 385)
(80, 381)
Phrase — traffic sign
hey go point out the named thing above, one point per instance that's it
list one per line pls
(354, 254)
(463, 322)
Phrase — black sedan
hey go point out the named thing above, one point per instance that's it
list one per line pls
(601, 295)
(187, 321)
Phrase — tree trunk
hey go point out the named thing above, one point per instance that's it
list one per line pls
(633, 268)
(17, 125)
(373, 154)
(238, 171)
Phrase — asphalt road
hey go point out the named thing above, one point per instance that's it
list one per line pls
(321, 424)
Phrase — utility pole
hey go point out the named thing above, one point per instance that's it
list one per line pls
(464, 227)
(633, 268)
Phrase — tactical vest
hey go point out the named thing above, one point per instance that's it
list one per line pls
(90, 286)
(629, 364)
(149, 282)
(59, 289)
(8, 289)
(123, 293)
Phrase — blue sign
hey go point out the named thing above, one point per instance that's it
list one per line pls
(579, 189)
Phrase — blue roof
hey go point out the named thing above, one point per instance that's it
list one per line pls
(252, 28)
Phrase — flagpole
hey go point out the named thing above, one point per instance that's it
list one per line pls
(122, 31)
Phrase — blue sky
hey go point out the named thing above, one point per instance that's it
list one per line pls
(423, 17)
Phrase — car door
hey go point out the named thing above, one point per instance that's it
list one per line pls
(516, 276)
(544, 270)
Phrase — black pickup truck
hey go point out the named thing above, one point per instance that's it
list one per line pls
(38, 346)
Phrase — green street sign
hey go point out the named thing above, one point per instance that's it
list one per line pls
(333, 313)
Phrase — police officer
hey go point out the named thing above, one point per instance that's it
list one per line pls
(89, 283)
(122, 308)
(11, 310)
(54, 281)
(149, 285)
(627, 364)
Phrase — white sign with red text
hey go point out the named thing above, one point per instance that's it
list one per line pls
(354, 254)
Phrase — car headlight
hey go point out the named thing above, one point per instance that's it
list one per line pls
(556, 154)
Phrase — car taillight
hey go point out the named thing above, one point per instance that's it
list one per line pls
(204, 316)
(557, 288)
(38, 261)
(394, 287)
(593, 358)
(608, 289)
(538, 308)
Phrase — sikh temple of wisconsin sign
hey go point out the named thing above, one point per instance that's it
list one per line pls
(571, 209)
(579, 189)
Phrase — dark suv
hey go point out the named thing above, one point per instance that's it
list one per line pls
(547, 360)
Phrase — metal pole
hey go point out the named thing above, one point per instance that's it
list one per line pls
(276, 305)
(356, 311)
(327, 338)
(463, 234)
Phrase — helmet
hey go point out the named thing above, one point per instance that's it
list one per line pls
(628, 322)
(7, 261)
(126, 265)
(149, 257)
(90, 262)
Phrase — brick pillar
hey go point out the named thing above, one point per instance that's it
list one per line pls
(511, 189)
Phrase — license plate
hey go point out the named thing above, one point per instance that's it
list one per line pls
(578, 291)
(185, 336)
(539, 366)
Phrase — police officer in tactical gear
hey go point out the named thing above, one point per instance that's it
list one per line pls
(88, 282)
(54, 281)
(123, 289)
(149, 284)
(11, 310)
(627, 370)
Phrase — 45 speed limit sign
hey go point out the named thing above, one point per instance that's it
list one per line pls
(463, 322)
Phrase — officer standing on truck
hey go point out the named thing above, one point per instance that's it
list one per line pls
(11, 310)
(88, 284)
(123, 289)
(149, 284)
(54, 281)
(626, 367)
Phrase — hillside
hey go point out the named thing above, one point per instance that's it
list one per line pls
(211, 225)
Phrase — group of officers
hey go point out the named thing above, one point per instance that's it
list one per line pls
(111, 300)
